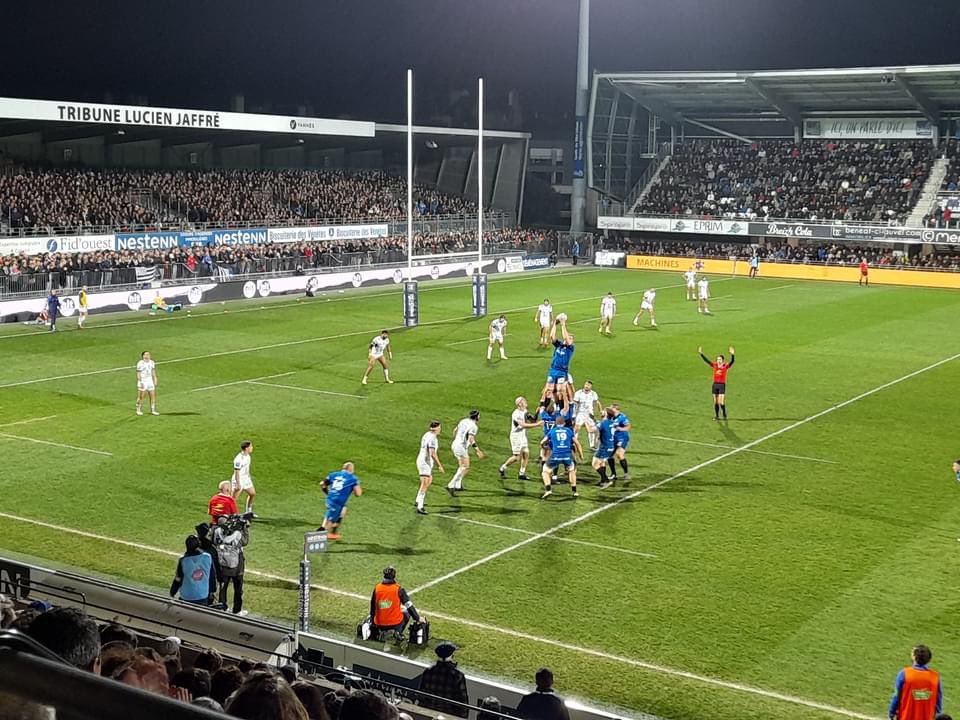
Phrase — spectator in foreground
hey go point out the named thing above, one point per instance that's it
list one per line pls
(224, 682)
(70, 634)
(444, 680)
(194, 580)
(367, 705)
(917, 693)
(489, 707)
(311, 697)
(209, 660)
(543, 703)
(196, 682)
(265, 696)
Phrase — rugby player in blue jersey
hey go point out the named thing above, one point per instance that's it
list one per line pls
(557, 386)
(339, 487)
(621, 441)
(563, 447)
(605, 446)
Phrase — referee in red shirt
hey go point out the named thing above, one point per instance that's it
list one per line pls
(864, 272)
(720, 367)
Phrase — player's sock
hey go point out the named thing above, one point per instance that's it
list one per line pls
(489, 351)
(623, 464)
(716, 410)
(724, 408)
(592, 439)
(421, 497)
(503, 355)
(455, 482)
(386, 375)
(523, 470)
(613, 467)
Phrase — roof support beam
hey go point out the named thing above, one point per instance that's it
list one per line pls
(930, 111)
(786, 108)
(719, 131)
(658, 107)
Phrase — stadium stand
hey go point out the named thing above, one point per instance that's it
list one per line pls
(35, 273)
(68, 199)
(812, 180)
(951, 181)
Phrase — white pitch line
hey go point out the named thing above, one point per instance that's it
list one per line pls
(28, 421)
(288, 343)
(464, 342)
(585, 543)
(755, 452)
(633, 662)
(55, 444)
(683, 473)
(304, 389)
(241, 382)
(779, 287)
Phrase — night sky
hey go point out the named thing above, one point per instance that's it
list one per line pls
(347, 58)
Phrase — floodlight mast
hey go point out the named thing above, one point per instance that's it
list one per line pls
(479, 175)
(410, 174)
(578, 199)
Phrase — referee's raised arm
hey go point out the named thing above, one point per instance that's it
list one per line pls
(704, 357)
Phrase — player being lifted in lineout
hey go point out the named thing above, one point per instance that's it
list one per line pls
(608, 308)
(498, 327)
(646, 305)
(379, 352)
(544, 319)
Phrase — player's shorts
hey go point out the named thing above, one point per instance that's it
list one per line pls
(703, 296)
(425, 469)
(496, 337)
(554, 464)
(83, 311)
(622, 443)
(146, 386)
(585, 421)
(334, 512)
(691, 286)
(375, 356)
(246, 483)
(545, 323)
(719, 388)
(459, 451)
(603, 453)
(863, 272)
(646, 306)
(606, 315)
(518, 443)
(557, 377)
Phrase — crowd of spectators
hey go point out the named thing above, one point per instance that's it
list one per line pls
(812, 180)
(782, 251)
(20, 273)
(241, 688)
(61, 200)
(951, 181)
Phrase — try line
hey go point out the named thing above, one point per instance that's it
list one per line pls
(676, 476)
(516, 634)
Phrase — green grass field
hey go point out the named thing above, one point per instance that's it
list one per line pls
(754, 583)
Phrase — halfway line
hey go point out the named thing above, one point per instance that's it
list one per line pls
(682, 473)
(585, 543)
(755, 452)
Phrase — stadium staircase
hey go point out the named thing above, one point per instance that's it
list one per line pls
(928, 196)
(647, 180)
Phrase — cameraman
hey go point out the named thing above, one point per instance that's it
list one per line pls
(390, 606)
(230, 537)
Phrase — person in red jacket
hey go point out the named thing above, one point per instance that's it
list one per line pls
(917, 693)
(222, 503)
(864, 279)
(720, 368)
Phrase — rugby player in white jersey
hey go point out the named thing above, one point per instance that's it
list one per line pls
(646, 305)
(690, 278)
(703, 296)
(146, 383)
(497, 328)
(379, 352)
(519, 446)
(544, 319)
(464, 438)
(608, 308)
(427, 459)
(241, 482)
(587, 403)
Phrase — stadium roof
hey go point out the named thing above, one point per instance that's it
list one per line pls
(930, 91)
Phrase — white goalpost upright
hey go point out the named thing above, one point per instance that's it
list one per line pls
(480, 278)
(411, 296)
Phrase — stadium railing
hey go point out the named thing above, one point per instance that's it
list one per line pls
(619, 212)
(422, 223)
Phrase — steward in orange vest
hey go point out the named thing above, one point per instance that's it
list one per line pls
(917, 693)
(390, 606)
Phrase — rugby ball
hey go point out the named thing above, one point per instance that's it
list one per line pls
(562, 317)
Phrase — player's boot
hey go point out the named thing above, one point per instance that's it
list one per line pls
(364, 380)
(522, 476)
(546, 493)
(422, 511)
(503, 473)
(139, 411)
